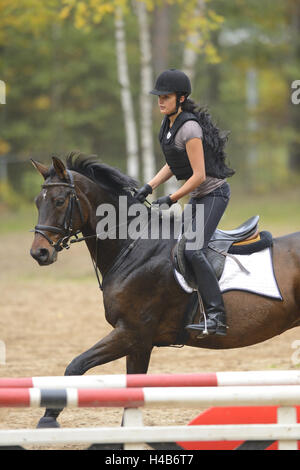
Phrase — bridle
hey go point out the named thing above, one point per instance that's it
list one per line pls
(66, 231)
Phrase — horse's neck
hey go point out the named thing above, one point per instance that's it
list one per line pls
(104, 251)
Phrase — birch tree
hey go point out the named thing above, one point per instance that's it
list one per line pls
(161, 37)
(146, 100)
(126, 97)
(190, 51)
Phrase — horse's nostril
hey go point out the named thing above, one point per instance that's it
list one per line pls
(40, 254)
(43, 254)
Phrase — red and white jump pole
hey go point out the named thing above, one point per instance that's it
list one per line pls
(178, 397)
(206, 379)
(133, 392)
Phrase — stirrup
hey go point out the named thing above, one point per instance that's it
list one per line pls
(210, 326)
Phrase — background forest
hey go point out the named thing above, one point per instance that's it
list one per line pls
(76, 76)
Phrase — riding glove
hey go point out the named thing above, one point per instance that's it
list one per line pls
(164, 200)
(143, 192)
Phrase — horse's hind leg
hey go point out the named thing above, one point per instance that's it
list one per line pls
(119, 343)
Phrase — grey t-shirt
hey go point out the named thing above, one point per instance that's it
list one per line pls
(189, 130)
(192, 130)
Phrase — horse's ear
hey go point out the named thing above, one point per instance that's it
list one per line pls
(60, 168)
(42, 169)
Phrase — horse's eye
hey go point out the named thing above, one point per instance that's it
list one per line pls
(59, 202)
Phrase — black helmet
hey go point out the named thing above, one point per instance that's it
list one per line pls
(172, 81)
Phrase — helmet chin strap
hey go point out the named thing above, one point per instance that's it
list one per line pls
(178, 104)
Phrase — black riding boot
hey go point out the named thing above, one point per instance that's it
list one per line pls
(211, 295)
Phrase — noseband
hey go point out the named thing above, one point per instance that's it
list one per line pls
(66, 231)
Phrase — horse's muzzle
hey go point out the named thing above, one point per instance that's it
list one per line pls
(43, 256)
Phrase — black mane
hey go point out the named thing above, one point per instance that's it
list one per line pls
(109, 178)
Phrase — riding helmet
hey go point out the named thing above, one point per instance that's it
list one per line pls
(172, 81)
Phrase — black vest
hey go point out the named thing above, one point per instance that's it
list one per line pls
(178, 160)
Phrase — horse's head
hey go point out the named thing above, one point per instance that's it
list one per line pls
(61, 212)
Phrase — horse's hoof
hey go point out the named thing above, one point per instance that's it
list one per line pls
(47, 422)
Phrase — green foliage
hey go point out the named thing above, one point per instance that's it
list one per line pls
(30, 185)
(9, 198)
(59, 65)
(53, 108)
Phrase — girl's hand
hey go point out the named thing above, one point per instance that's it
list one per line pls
(143, 192)
(164, 200)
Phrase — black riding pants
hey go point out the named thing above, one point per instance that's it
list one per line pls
(214, 205)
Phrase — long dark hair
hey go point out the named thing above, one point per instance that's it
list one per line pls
(214, 139)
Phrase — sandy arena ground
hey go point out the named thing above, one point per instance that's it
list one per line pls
(51, 314)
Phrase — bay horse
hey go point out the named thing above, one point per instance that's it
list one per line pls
(143, 302)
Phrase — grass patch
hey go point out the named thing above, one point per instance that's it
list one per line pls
(20, 220)
(278, 211)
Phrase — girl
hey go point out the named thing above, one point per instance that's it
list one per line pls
(194, 151)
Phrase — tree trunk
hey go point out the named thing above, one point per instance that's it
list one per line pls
(160, 34)
(190, 54)
(146, 100)
(252, 103)
(56, 88)
(160, 41)
(126, 98)
(3, 169)
(214, 73)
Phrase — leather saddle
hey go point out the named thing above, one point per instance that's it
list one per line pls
(244, 239)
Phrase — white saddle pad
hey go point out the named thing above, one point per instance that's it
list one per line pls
(259, 280)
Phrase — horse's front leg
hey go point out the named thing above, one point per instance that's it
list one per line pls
(138, 361)
(119, 343)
